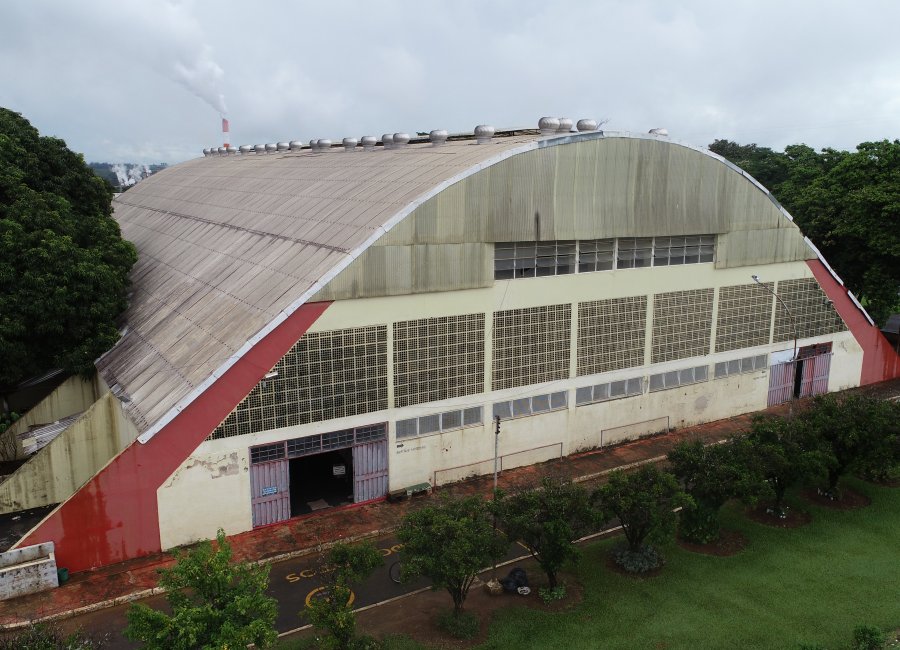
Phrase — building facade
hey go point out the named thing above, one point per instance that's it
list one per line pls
(312, 328)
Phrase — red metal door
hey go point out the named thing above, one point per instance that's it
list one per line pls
(370, 471)
(815, 375)
(270, 487)
(781, 383)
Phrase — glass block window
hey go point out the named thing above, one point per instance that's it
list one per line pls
(813, 312)
(634, 252)
(447, 421)
(325, 375)
(611, 334)
(690, 249)
(682, 324)
(738, 366)
(525, 406)
(318, 443)
(608, 391)
(745, 315)
(267, 452)
(533, 259)
(438, 358)
(531, 345)
(596, 255)
(676, 378)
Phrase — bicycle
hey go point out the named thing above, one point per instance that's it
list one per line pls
(394, 572)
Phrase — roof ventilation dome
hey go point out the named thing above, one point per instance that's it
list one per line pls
(271, 147)
(221, 151)
(246, 148)
(586, 125)
(259, 148)
(206, 152)
(438, 137)
(659, 131)
(483, 133)
(565, 125)
(401, 140)
(296, 145)
(548, 125)
(284, 146)
(230, 150)
(349, 144)
(323, 144)
(387, 140)
(368, 142)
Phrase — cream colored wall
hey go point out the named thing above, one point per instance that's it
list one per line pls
(212, 487)
(54, 473)
(74, 395)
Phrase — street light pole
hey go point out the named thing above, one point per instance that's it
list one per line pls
(496, 449)
(793, 325)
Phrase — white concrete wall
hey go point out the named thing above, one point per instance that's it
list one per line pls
(211, 489)
(27, 570)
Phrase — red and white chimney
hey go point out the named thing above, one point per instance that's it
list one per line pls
(225, 134)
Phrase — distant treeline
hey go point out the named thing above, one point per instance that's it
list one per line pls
(847, 203)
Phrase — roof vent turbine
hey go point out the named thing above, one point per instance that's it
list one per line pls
(349, 144)
(659, 131)
(271, 147)
(586, 125)
(246, 148)
(401, 140)
(323, 144)
(483, 133)
(387, 140)
(283, 146)
(438, 137)
(548, 125)
(369, 142)
(565, 125)
(296, 145)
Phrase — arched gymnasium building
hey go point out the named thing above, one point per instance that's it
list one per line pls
(313, 326)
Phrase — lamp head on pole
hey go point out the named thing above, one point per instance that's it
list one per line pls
(755, 278)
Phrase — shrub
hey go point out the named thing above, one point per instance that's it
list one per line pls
(867, 637)
(44, 636)
(552, 594)
(645, 559)
(461, 625)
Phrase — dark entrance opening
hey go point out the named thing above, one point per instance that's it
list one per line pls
(321, 481)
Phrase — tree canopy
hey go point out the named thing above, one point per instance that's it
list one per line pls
(215, 603)
(847, 203)
(63, 263)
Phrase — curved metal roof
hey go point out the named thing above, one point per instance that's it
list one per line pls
(229, 246)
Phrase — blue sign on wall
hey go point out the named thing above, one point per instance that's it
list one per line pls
(268, 491)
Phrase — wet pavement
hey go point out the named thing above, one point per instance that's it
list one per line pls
(293, 547)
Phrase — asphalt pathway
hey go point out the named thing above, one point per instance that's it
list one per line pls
(291, 582)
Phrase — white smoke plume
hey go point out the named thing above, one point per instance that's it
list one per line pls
(202, 76)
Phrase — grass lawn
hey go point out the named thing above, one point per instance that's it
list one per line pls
(807, 585)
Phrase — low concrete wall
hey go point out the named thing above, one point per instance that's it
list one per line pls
(59, 469)
(27, 570)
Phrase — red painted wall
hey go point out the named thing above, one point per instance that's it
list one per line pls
(880, 361)
(114, 517)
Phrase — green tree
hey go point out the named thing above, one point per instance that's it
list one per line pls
(547, 520)
(63, 263)
(712, 475)
(345, 565)
(216, 603)
(643, 501)
(853, 432)
(450, 543)
(782, 456)
(848, 203)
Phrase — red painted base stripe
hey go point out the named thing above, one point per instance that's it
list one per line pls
(114, 517)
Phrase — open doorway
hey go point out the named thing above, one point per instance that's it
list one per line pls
(321, 481)
(324, 470)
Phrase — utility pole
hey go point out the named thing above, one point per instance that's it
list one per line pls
(496, 449)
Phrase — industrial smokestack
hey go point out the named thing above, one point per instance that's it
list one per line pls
(225, 134)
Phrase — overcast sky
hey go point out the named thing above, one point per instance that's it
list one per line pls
(145, 81)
